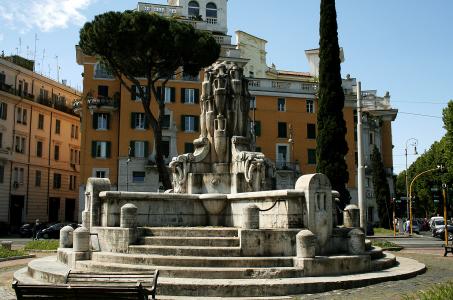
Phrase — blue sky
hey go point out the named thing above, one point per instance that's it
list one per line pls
(404, 47)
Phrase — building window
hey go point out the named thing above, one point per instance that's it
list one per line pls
(21, 117)
(138, 176)
(135, 94)
(211, 11)
(138, 121)
(38, 178)
(3, 110)
(310, 106)
(165, 122)
(371, 138)
(100, 149)
(2, 173)
(72, 182)
(194, 9)
(256, 128)
(282, 156)
(189, 96)
(74, 131)
(18, 175)
(57, 126)
(253, 103)
(188, 148)
(101, 174)
(39, 149)
(311, 155)
(167, 95)
(56, 152)
(102, 72)
(56, 181)
(20, 144)
(43, 96)
(189, 123)
(165, 147)
(1, 140)
(41, 121)
(281, 104)
(282, 130)
(74, 156)
(188, 77)
(103, 91)
(138, 149)
(100, 121)
(311, 131)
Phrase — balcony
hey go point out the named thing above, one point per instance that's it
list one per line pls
(77, 106)
(102, 103)
(282, 86)
(281, 165)
(164, 10)
(222, 39)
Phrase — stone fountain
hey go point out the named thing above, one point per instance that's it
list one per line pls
(221, 232)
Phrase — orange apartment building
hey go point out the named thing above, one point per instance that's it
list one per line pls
(39, 146)
(118, 144)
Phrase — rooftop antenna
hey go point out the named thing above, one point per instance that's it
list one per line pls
(28, 52)
(20, 46)
(34, 54)
(58, 69)
(42, 60)
(48, 65)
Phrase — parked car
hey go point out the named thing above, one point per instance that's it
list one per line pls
(435, 223)
(26, 230)
(53, 231)
(440, 232)
(416, 226)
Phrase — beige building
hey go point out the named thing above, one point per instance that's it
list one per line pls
(39, 146)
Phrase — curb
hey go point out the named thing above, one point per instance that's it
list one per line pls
(17, 257)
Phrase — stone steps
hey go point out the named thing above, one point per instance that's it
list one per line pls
(191, 241)
(194, 261)
(195, 272)
(186, 250)
(190, 231)
(375, 253)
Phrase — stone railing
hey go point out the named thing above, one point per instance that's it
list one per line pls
(270, 85)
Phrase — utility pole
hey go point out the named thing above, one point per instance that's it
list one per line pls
(361, 168)
(444, 193)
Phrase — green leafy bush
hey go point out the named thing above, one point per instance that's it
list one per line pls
(5, 253)
(443, 291)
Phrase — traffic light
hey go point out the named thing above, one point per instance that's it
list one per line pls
(436, 193)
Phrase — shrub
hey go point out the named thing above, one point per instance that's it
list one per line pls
(42, 245)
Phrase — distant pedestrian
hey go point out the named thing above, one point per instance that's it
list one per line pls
(36, 229)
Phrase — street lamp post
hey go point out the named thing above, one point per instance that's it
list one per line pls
(440, 167)
(414, 143)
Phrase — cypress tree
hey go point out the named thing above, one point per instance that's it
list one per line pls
(331, 142)
(380, 187)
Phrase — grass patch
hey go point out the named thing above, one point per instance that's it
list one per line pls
(5, 253)
(383, 244)
(441, 291)
(383, 231)
(42, 245)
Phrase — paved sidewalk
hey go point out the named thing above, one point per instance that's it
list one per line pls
(440, 269)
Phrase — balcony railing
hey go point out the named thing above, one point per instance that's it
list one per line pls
(102, 101)
(286, 165)
(282, 86)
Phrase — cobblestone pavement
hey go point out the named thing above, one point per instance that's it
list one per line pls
(440, 269)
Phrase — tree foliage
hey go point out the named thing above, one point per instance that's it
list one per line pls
(440, 153)
(331, 143)
(381, 188)
(136, 45)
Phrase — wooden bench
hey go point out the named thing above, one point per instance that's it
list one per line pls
(448, 248)
(96, 286)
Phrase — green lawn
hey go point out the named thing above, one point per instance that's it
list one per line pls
(383, 231)
(42, 245)
(442, 291)
(383, 244)
(4, 253)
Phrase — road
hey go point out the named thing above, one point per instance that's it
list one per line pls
(423, 240)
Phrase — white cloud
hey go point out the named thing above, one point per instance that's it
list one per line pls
(45, 14)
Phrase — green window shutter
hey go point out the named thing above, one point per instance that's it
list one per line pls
(132, 120)
(133, 92)
(197, 123)
(197, 96)
(95, 121)
(183, 123)
(132, 149)
(172, 94)
(5, 113)
(159, 93)
(109, 147)
(93, 149)
(183, 95)
(108, 121)
(146, 122)
(257, 128)
(146, 149)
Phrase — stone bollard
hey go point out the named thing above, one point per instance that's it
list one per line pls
(81, 240)
(351, 216)
(6, 244)
(251, 217)
(305, 244)
(66, 235)
(128, 218)
(356, 242)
